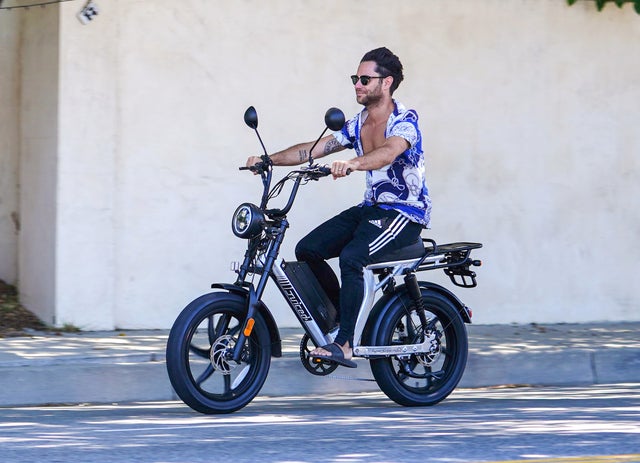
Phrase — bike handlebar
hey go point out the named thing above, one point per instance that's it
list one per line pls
(313, 172)
(324, 170)
(310, 171)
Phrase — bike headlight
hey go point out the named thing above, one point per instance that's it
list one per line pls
(247, 221)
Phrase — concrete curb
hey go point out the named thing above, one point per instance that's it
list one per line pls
(112, 375)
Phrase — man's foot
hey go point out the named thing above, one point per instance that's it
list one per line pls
(334, 353)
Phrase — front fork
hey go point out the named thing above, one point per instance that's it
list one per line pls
(248, 325)
(255, 295)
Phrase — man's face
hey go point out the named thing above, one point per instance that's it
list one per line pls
(372, 92)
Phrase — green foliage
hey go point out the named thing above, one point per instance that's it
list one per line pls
(600, 3)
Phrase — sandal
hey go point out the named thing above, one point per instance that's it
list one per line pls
(337, 356)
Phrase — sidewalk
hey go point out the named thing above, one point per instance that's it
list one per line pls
(108, 367)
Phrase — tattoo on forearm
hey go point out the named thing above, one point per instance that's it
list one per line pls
(331, 146)
(303, 155)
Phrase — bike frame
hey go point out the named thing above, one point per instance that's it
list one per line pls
(262, 253)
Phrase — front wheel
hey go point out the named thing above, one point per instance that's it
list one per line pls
(199, 350)
(425, 378)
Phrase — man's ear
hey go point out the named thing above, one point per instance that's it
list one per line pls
(388, 82)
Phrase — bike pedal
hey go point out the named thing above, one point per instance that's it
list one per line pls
(318, 361)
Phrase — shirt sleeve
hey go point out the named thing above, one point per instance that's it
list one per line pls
(406, 126)
(342, 139)
(347, 136)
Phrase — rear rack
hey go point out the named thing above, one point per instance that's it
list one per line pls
(453, 258)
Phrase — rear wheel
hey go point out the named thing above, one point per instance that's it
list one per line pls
(199, 351)
(425, 378)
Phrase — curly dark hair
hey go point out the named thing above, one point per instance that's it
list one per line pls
(387, 64)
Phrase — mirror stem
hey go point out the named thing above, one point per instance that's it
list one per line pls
(314, 145)
(261, 144)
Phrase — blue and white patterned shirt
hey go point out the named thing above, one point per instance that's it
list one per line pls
(400, 185)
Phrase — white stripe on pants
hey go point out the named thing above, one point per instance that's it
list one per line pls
(389, 234)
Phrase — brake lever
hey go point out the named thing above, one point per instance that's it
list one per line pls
(315, 171)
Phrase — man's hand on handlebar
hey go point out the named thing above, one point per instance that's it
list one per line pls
(342, 168)
(251, 163)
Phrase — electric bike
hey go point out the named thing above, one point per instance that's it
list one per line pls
(412, 332)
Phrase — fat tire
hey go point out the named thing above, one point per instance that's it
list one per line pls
(388, 371)
(180, 354)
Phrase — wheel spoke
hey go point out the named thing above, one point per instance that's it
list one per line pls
(241, 376)
(220, 328)
(432, 324)
(227, 385)
(199, 351)
(205, 375)
(436, 374)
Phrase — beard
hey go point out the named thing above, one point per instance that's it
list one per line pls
(371, 98)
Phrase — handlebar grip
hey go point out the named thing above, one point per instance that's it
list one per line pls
(255, 168)
(326, 170)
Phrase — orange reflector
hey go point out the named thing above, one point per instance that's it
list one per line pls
(249, 327)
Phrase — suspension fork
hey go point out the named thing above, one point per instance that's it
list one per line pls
(255, 295)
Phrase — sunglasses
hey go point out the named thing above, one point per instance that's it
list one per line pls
(364, 79)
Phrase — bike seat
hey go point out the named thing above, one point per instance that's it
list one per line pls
(413, 251)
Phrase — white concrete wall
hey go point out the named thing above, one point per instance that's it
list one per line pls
(9, 144)
(38, 160)
(89, 178)
(528, 110)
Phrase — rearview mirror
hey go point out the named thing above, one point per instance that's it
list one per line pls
(334, 119)
(251, 117)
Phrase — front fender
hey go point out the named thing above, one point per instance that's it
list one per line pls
(276, 341)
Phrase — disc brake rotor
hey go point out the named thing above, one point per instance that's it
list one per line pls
(219, 354)
(428, 358)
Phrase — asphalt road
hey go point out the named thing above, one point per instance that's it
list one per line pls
(551, 425)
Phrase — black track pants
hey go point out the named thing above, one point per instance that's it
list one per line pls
(359, 236)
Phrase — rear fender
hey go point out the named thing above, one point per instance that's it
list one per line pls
(463, 310)
(274, 333)
(388, 300)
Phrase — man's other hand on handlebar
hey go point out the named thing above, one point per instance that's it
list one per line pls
(342, 168)
(251, 162)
